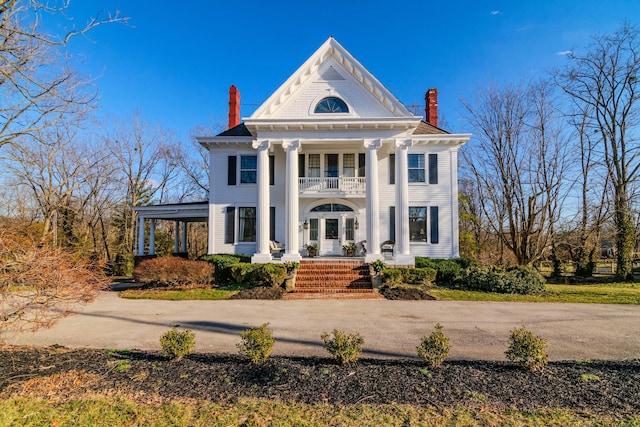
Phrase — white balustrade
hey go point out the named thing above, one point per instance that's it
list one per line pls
(345, 184)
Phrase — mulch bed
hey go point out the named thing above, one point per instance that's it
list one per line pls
(592, 386)
(405, 293)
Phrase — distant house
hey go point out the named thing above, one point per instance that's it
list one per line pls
(331, 158)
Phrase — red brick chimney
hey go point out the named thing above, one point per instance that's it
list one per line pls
(431, 106)
(234, 107)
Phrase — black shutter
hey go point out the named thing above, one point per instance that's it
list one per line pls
(272, 223)
(392, 168)
(231, 170)
(433, 168)
(433, 214)
(301, 166)
(229, 224)
(362, 164)
(392, 223)
(272, 170)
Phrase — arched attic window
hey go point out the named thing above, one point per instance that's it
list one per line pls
(331, 104)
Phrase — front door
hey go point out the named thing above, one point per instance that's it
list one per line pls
(331, 243)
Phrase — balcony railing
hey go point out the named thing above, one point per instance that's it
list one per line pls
(339, 185)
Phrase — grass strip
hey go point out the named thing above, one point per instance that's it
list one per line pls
(120, 411)
(610, 293)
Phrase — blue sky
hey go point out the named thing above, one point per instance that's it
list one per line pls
(175, 64)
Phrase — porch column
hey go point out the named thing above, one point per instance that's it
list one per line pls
(291, 215)
(373, 201)
(455, 246)
(176, 238)
(403, 253)
(152, 236)
(263, 254)
(184, 237)
(211, 231)
(140, 235)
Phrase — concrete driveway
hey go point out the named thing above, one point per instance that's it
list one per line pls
(391, 329)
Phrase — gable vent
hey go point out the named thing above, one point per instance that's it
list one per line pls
(331, 74)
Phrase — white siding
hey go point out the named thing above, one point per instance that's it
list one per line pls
(361, 103)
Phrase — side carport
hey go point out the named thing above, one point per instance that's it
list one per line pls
(180, 213)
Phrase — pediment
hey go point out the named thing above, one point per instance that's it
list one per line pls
(331, 72)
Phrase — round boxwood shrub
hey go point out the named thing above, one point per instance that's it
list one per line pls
(177, 344)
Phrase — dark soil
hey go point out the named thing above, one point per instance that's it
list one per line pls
(592, 386)
(405, 293)
(261, 292)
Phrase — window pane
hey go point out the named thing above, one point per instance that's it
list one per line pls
(314, 165)
(248, 177)
(313, 229)
(349, 231)
(416, 175)
(246, 224)
(331, 229)
(248, 169)
(416, 167)
(418, 224)
(340, 208)
(349, 164)
(416, 160)
(322, 208)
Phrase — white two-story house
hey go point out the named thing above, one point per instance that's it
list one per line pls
(330, 158)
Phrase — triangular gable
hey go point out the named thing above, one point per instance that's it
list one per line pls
(332, 66)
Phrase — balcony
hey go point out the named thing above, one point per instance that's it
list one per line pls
(336, 187)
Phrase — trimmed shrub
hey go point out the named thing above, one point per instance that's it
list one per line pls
(526, 349)
(392, 276)
(241, 272)
(268, 275)
(345, 348)
(257, 343)
(173, 272)
(449, 271)
(259, 274)
(515, 280)
(222, 264)
(415, 276)
(177, 344)
(419, 276)
(434, 349)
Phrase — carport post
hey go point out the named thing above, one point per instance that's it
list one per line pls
(152, 236)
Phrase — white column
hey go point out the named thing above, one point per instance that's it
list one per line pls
(403, 254)
(140, 235)
(152, 236)
(455, 242)
(263, 254)
(373, 200)
(211, 231)
(184, 237)
(176, 238)
(291, 214)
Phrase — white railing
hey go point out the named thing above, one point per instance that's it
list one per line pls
(346, 184)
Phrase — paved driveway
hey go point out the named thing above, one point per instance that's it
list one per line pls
(478, 330)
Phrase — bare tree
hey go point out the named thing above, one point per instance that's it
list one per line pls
(146, 157)
(52, 167)
(604, 83)
(517, 162)
(37, 86)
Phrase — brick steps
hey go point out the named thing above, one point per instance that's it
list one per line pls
(333, 279)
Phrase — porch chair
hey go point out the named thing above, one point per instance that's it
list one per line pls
(387, 246)
(276, 247)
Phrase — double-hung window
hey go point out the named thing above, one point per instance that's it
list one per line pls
(246, 224)
(248, 169)
(418, 223)
(418, 168)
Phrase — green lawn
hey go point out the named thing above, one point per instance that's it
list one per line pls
(119, 411)
(179, 295)
(609, 293)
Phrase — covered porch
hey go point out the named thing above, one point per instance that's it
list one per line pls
(180, 213)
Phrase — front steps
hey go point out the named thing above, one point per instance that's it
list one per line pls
(333, 279)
